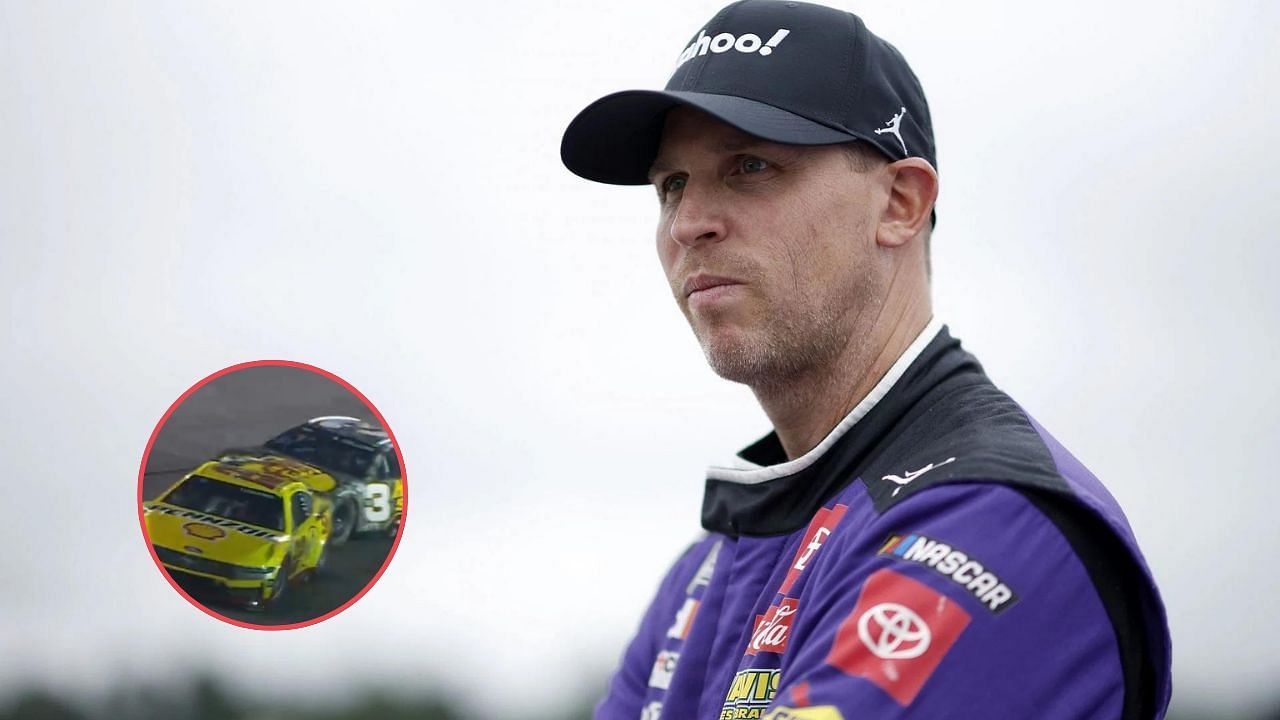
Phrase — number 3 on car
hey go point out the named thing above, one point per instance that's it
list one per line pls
(377, 502)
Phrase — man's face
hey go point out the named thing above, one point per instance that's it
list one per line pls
(769, 249)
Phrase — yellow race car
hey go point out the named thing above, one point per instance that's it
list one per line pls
(243, 528)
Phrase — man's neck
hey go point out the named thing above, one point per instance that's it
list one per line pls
(805, 408)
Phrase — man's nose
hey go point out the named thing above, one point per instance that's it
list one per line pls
(699, 218)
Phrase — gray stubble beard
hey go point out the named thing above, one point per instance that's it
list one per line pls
(789, 348)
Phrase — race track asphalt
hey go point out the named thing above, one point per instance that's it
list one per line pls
(246, 408)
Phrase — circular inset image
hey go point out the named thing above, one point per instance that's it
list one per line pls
(271, 495)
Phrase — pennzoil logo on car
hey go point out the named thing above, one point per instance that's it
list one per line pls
(951, 563)
(213, 520)
(204, 531)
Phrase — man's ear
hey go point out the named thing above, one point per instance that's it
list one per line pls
(913, 187)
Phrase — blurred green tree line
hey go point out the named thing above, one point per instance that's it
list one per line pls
(207, 699)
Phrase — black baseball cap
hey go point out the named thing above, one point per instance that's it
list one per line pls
(788, 72)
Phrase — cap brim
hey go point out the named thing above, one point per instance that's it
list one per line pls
(614, 139)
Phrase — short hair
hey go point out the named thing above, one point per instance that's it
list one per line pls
(864, 158)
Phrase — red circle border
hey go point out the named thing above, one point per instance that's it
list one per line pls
(404, 474)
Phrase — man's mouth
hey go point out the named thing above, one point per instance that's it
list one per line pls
(702, 283)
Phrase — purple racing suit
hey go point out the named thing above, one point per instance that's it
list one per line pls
(937, 555)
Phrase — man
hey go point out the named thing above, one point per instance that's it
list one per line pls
(907, 542)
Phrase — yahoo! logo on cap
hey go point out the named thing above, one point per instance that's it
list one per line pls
(724, 42)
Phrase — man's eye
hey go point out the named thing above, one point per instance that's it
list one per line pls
(754, 165)
(675, 183)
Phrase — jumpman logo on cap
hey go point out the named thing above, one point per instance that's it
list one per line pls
(891, 126)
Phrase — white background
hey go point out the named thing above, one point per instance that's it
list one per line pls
(377, 191)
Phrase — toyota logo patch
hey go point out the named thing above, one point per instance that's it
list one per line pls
(894, 632)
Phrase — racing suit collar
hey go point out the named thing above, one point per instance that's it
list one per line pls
(762, 493)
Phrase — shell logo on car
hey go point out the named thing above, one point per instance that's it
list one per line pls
(204, 531)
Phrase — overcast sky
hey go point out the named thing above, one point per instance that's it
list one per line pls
(377, 191)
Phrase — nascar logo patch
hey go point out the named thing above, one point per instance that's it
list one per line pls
(954, 565)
